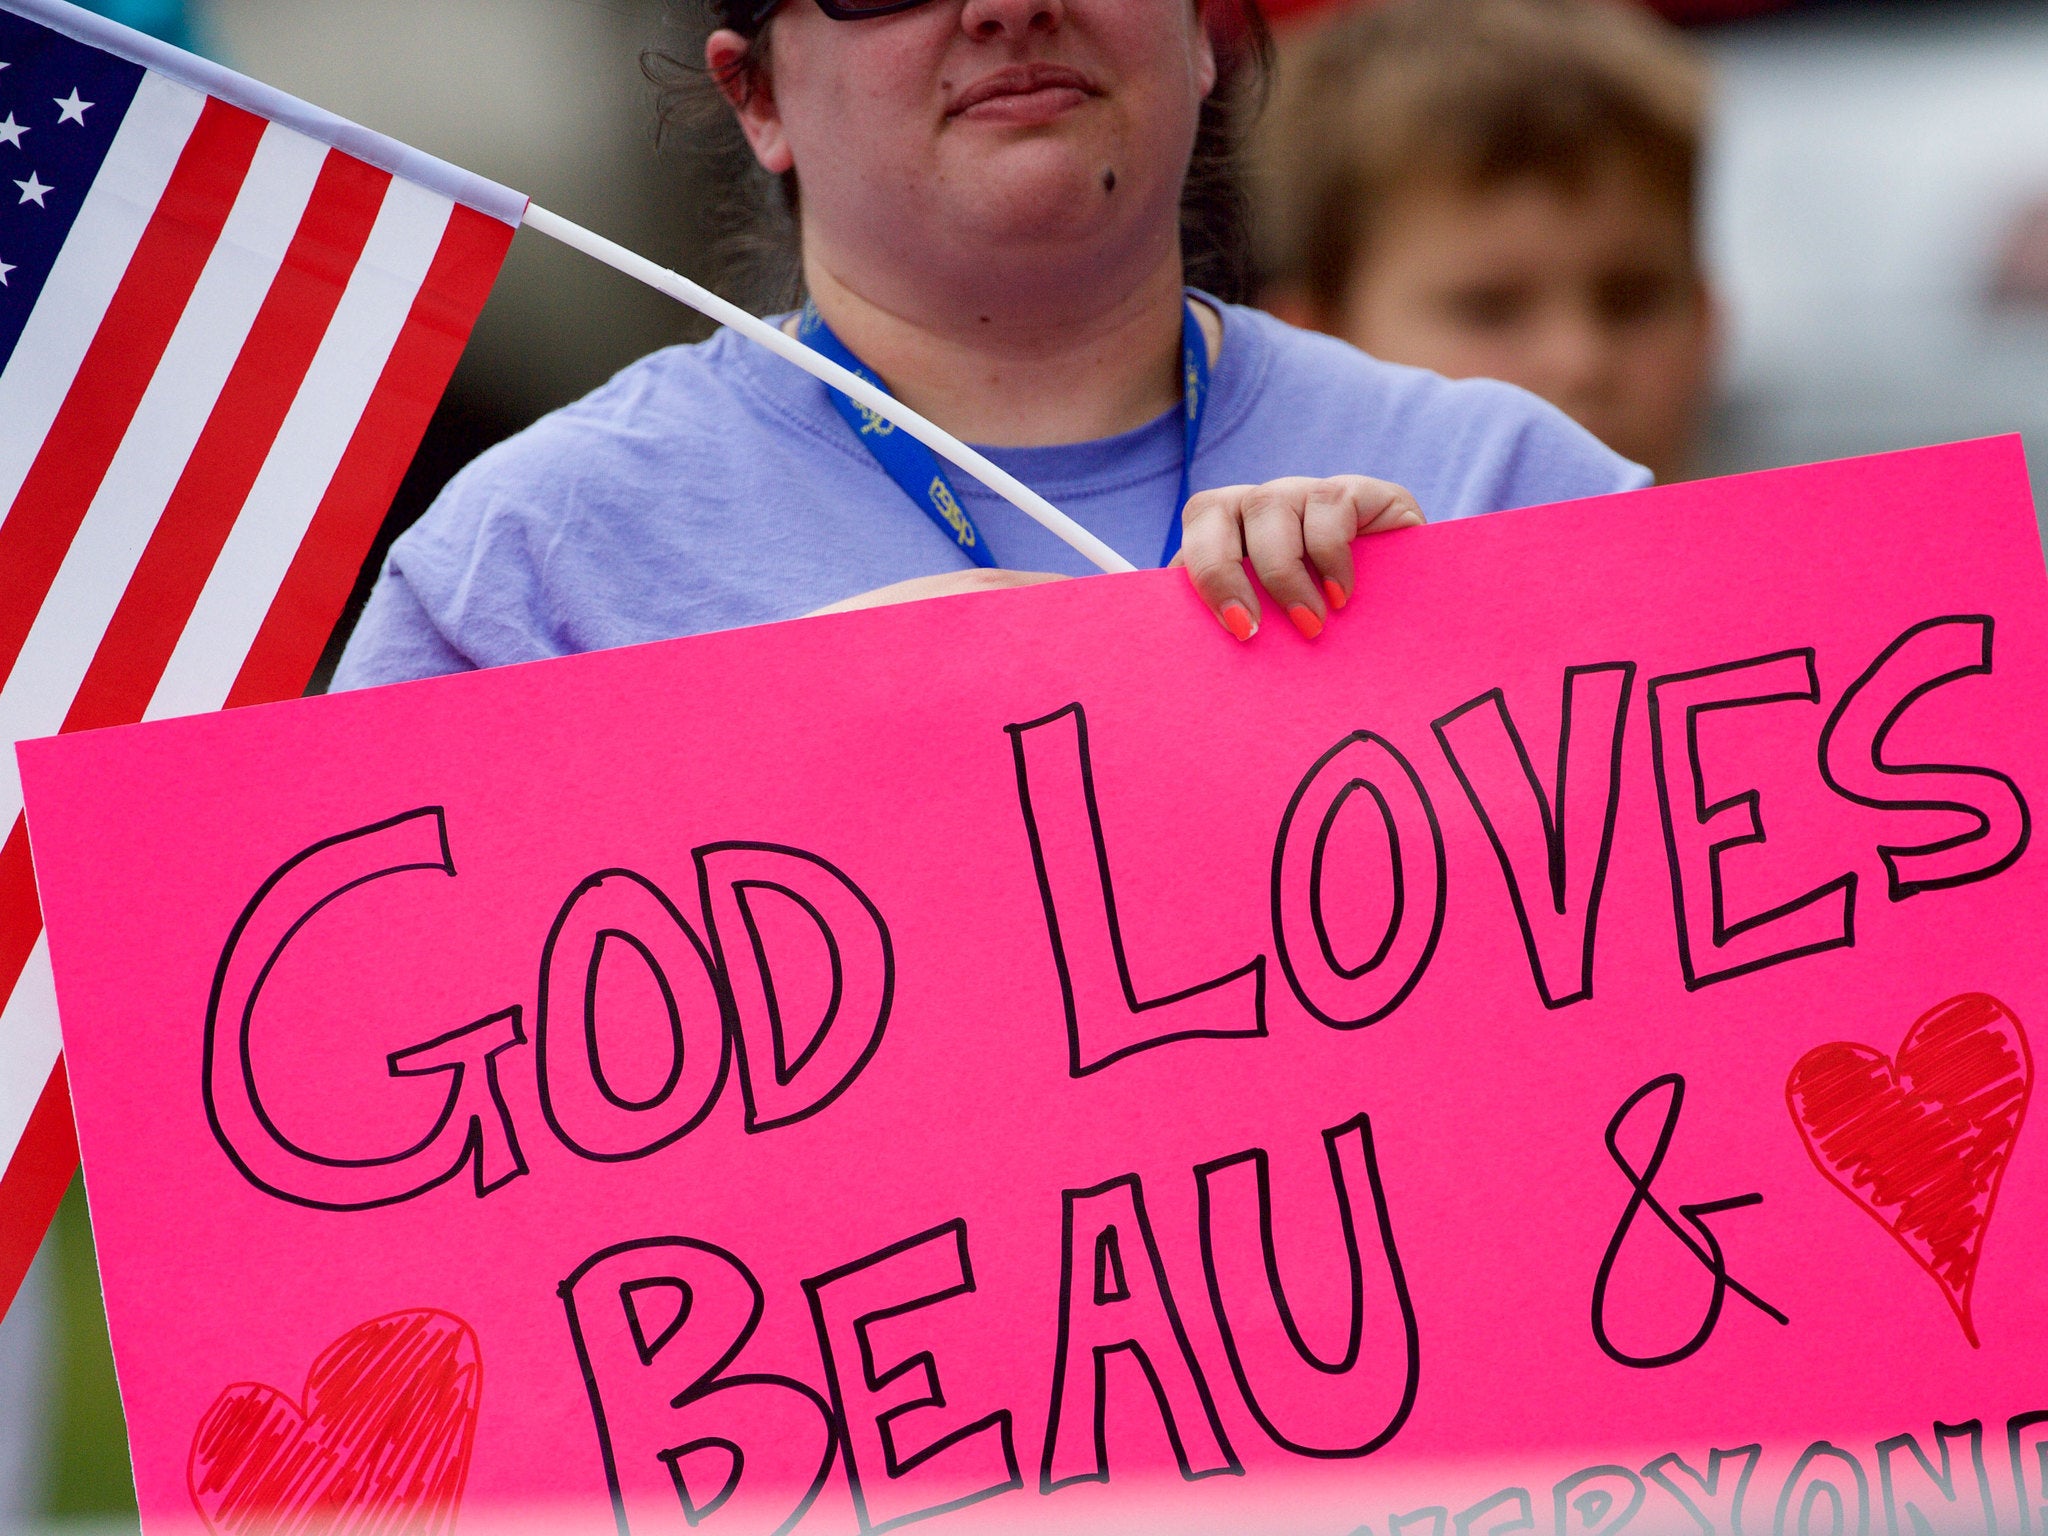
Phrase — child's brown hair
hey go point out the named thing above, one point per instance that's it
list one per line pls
(1473, 93)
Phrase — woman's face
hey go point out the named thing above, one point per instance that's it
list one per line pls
(983, 130)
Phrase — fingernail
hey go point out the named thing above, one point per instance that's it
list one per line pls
(1336, 594)
(1305, 620)
(1238, 621)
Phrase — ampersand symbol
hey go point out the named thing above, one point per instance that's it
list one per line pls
(1689, 1227)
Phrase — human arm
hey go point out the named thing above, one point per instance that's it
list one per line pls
(396, 640)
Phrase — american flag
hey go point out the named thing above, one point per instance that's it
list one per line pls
(225, 318)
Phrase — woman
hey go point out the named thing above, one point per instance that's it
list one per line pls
(990, 221)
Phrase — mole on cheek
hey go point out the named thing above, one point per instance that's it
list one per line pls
(1109, 181)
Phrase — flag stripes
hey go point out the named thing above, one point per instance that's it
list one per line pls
(142, 476)
(29, 1042)
(287, 639)
(21, 915)
(239, 437)
(119, 365)
(39, 1172)
(311, 443)
(202, 422)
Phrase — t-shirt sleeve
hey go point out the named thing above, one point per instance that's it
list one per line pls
(1520, 451)
(440, 600)
(465, 586)
(396, 640)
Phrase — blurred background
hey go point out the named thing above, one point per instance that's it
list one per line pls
(1877, 217)
(1876, 221)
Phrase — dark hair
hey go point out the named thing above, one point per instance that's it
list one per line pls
(756, 215)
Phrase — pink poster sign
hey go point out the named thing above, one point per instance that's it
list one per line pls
(1551, 1055)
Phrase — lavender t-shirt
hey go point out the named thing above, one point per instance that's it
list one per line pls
(713, 486)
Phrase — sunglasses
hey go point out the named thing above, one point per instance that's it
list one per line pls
(860, 10)
(749, 16)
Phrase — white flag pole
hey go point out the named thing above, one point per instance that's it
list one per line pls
(755, 329)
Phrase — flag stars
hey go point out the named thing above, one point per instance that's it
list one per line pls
(11, 131)
(34, 191)
(4, 268)
(71, 109)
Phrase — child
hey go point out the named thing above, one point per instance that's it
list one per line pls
(1500, 188)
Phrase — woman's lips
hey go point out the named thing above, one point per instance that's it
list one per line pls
(1023, 95)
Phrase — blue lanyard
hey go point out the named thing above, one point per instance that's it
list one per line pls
(920, 475)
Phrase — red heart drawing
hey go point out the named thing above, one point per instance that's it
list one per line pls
(1921, 1140)
(380, 1444)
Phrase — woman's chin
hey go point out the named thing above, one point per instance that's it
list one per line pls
(1030, 195)
(1047, 227)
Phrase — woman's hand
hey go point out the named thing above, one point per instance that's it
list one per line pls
(1297, 534)
(947, 585)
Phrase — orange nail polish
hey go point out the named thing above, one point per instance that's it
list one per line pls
(1238, 621)
(1305, 620)
(1335, 594)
